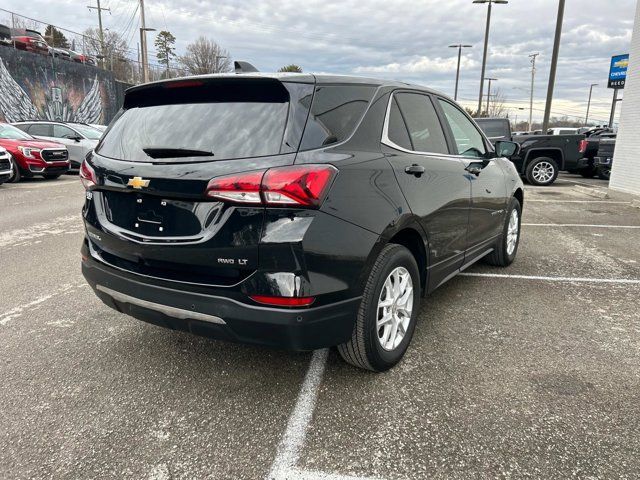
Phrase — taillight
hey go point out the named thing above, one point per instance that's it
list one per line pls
(87, 175)
(241, 188)
(299, 185)
(583, 146)
(283, 301)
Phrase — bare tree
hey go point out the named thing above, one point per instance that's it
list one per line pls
(115, 52)
(497, 107)
(205, 56)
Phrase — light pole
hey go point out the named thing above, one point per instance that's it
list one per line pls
(586, 118)
(460, 46)
(533, 57)
(554, 65)
(488, 79)
(486, 45)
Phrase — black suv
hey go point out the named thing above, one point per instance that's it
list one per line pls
(293, 210)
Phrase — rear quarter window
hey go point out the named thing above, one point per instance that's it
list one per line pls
(335, 113)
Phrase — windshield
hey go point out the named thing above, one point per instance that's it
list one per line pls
(216, 120)
(9, 132)
(88, 132)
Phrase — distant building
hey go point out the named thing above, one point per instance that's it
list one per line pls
(625, 174)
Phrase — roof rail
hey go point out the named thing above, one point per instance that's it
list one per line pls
(244, 67)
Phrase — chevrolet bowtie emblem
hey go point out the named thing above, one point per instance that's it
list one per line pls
(138, 182)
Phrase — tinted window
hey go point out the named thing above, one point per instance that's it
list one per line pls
(335, 113)
(468, 139)
(231, 119)
(494, 128)
(60, 131)
(419, 115)
(41, 129)
(397, 130)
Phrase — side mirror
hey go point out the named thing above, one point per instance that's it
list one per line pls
(507, 149)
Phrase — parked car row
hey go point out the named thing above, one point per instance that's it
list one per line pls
(542, 157)
(43, 148)
(32, 41)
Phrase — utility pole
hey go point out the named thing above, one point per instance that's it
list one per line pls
(586, 118)
(489, 92)
(460, 46)
(554, 65)
(100, 31)
(533, 57)
(486, 46)
(143, 44)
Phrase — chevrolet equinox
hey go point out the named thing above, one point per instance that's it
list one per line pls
(292, 210)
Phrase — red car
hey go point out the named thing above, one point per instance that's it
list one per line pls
(29, 40)
(32, 156)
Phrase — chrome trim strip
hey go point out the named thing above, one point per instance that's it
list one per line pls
(389, 143)
(165, 309)
(6, 172)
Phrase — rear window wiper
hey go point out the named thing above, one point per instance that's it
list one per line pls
(164, 152)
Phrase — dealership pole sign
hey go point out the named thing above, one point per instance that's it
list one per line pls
(618, 71)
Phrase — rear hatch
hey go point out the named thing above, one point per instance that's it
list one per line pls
(149, 212)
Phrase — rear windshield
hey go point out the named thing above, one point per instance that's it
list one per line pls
(218, 120)
(494, 128)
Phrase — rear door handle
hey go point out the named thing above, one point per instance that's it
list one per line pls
(414, 169)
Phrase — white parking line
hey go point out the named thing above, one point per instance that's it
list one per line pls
(16, 312)
(624, 281)
(284, 466)
(584, 225)
(576, 201)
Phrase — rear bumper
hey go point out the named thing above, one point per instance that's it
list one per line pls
(222, 318)
(603, 161)
(584, 163)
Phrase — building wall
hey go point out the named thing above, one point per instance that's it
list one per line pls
(625, 174)
(36, 86)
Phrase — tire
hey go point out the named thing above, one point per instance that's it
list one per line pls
(504, 254)
(604, 173)
(588, 172)
(365, 348)
(17, 176)
(51, 177)
(542, 171)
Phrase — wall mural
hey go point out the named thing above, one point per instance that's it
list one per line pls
(34, 86)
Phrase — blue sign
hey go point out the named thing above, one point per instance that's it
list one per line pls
(618, 71)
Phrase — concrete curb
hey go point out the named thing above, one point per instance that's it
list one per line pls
(592, 192)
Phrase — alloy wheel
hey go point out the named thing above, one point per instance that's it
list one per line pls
(395, 306)
(543, 172)
(512, 232)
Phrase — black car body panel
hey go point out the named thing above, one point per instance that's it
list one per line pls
(564, 149)
(157, 246)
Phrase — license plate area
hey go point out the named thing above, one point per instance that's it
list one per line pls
(153, 216)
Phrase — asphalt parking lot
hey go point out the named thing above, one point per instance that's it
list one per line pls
(528, 372)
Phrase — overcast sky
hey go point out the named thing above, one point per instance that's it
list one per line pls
(398, 39)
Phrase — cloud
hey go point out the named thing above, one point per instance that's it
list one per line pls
(405, 40)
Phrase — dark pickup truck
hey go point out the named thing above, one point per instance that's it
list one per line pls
(587, 165)
(604, 159)
(541, 156)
